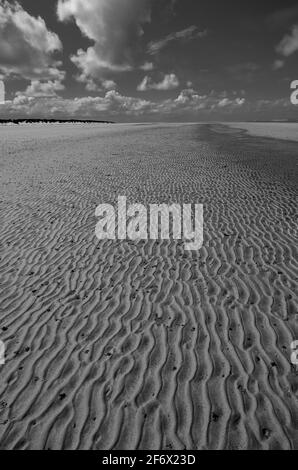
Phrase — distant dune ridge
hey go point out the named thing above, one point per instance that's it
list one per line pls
(143, 345)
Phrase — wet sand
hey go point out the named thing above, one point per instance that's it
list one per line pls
(273, 130)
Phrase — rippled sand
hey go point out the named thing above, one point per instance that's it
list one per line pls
(126, 345)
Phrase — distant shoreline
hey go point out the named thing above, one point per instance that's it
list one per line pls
(52, 121)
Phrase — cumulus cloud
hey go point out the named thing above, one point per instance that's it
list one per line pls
(289, 43)
(111, 105)
(190, 97)
(42, 89)
(42, 102)
(147, 66)
(109, 85)
(185, 35)
(114, 27)
(27, 47)
(89, 83)
(94, 66)
(94, 85)
(224, 102)
(169, 82)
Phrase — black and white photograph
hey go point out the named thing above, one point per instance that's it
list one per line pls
(149, 229)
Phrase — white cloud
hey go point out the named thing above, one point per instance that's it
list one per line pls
(147, 66)
(26, 45)
(187, 34)
(114, 106)
(96, 84)
(111, 105)
(190, 96)
(89, 83)
(169, 82)
(42, 89)
(92, 65)
(114, 27)
(289, 44)
(109, 85)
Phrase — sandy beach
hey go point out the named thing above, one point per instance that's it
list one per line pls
(143, 345)
(273, 130)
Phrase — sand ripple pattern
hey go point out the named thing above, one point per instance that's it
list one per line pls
(125, 345)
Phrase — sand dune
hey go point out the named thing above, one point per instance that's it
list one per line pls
(126, 345)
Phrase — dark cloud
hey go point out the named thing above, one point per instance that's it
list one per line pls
(114, 27)
(27, 47)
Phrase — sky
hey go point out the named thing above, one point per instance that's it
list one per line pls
(149, 60)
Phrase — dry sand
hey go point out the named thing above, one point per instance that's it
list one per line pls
(126, 345)
(274, 130)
